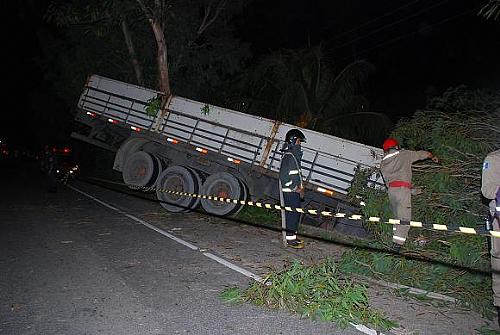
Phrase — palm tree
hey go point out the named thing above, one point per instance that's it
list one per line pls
(299, 87)
(490, 10)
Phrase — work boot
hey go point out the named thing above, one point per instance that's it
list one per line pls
(296, 244)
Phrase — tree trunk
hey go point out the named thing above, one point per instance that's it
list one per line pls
(161, 58)
(304, 120)
(132, 54)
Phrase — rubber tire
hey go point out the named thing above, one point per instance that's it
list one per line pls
(244, 197)
(161, 166)
(198, 182)
(189, 183)
(236, 191)
(141, 159)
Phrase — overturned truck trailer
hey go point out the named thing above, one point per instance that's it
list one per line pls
(193, 147)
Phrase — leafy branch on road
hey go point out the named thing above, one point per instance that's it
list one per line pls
(317, 291)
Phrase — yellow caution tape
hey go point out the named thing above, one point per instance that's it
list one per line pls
(415, 224)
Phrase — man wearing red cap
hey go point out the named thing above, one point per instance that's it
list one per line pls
(396, 170)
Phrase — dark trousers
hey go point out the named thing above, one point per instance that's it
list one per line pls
(292, 199)
(51, 182)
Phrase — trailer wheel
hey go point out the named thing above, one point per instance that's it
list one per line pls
(178, 179)
(244, 187)
(141, 169)
(225, 185)
(198, 182)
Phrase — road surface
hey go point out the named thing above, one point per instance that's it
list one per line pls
(70, 265)
(89, 260)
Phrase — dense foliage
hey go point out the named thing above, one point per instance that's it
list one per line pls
(491, 10)
(315, 291)
(203, 53)
(302, 87)
(460, 127)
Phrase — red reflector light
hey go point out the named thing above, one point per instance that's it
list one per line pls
(66, 150)
(112, 121)
(203, 151)
(172, 140)
(91, 114)
(232, 160)
(325, 191)
(135, 128)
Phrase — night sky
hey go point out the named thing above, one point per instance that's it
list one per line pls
(419, 48)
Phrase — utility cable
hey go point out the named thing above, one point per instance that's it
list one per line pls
(391, 24)
(404, 36)
(374, 20)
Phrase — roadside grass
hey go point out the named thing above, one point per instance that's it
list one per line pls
(232, 295)
(260, 215)
(484, 330)
(317, 291)
(471, 288)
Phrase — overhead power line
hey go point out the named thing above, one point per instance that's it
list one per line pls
(406, 18)
(404, 36)
(374, 20)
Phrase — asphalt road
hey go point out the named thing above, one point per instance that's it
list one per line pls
(69, 265)
(72, 265)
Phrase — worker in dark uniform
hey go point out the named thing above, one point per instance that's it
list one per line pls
(490, 188)
(291, 187)
(396, 170)
(49, 167)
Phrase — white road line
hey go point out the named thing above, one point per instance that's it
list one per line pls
(234, 267)
(91, 197)
(172, 237)
(366, 330)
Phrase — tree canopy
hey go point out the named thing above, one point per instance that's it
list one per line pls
(302, 88)
(114, 38)
(460, 127)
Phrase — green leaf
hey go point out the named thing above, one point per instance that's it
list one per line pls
(153, 106)
(318, 290)
(232, 295)
(205, 110)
